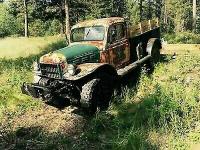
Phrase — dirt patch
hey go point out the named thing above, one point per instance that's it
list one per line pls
(51, 120)
(44, 127)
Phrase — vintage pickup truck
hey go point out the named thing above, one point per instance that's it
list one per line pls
(99, 53)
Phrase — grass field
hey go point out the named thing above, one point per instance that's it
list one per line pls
(159, 111)
(16, 47)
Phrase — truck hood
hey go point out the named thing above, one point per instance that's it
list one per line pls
(73, 54)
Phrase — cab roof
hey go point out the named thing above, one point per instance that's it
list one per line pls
(103, 22)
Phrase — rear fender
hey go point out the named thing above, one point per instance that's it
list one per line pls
(151, 44)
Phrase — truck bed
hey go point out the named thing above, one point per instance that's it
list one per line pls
(144, 38)
(141, 33)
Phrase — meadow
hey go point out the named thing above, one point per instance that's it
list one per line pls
(23, 47)
(157, 111)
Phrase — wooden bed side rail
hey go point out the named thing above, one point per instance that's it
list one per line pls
(143, 27)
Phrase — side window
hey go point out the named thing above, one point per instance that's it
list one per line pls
(120, 31)
(116, 33)
(112, 34)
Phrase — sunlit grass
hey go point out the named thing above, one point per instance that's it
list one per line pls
(162, 111)
(13, 72)
(22, 47)
(181, 48)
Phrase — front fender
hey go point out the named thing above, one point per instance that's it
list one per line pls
(90, 68)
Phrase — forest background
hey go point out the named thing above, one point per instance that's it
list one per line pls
(179, 19)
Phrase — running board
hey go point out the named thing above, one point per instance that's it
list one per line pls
(130, 67)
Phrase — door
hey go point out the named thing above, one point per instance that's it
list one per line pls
(118, 45)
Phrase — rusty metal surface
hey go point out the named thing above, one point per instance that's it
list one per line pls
(103, 22)
(98, 44)
(116, 54)
(132, 66)
(119, 53)
(52, 58)
(85, 69)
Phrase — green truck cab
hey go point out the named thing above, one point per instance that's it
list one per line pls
(99, 53)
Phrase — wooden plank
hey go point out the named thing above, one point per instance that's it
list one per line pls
(154, 23)
(135, 30)
(143, 27)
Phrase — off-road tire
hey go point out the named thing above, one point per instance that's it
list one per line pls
(97, 93)
(155, 57)
(90, 95)
(156, 52)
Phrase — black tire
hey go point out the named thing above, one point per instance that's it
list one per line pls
(156, 52)
(155, 56)
(97, 93)
(89, 95)
(153, 48)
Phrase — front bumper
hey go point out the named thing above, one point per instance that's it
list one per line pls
(34, 90)
(52, 91)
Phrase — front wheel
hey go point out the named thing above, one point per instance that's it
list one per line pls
(89, 96)
(97, 93)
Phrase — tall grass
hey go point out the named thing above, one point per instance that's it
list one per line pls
(164, 112)
(23, 47)
(13, 72)
(160, 111)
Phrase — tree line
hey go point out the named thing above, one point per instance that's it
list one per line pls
(49, 17)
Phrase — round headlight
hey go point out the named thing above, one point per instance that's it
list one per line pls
(71, 69)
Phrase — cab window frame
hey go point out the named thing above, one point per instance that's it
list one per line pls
(73, 41)
(117, 32)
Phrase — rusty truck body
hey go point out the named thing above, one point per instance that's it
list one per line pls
(99, 53)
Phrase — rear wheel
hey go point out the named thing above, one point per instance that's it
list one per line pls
(155, 52)
(153, 49)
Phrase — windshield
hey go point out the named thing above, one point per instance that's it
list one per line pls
(94, 33)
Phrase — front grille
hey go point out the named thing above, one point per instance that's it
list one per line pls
(51, 71)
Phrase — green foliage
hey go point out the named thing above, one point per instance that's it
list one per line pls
(161, 112)
(8, 24)
(179, 14)
(13, 73)
(182, 38)
(133, 12)
(41, 28)
(37, 28)
(175, 16)
(54, 27)
(158, 111)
